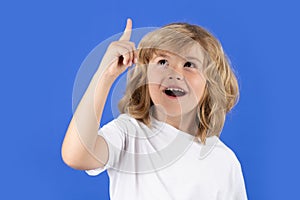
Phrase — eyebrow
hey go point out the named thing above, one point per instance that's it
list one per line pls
(193, 58)
(160, 54)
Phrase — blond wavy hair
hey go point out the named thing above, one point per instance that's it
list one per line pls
(221, 91)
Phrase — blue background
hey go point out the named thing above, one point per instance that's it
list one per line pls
(43, 44)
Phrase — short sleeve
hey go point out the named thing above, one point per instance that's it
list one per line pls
(114, 135)
(239, 189)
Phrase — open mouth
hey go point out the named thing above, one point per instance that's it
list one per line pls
(174, 92)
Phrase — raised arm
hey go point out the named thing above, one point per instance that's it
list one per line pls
(82, 147)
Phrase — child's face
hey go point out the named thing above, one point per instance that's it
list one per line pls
(176, 83)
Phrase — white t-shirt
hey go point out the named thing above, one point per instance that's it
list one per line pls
(164, 163)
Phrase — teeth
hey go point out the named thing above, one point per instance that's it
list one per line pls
(175, 89)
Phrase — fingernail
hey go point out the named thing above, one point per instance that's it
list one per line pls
(135, 60)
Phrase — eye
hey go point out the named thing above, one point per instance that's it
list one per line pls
(163, 62)
(189, 64)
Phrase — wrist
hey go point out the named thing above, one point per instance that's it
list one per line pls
(106, 77)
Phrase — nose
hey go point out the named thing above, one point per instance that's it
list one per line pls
(175, 77)
(174, 74)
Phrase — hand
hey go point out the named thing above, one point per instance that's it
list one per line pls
(120, 54)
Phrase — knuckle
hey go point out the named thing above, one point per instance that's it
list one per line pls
(113, 44)
(125, 52)
(126, 56)
(132, 45)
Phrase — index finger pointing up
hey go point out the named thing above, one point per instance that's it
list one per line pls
(127, 32)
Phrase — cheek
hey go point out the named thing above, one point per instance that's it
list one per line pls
(154, 80)
(154, 93)
(197, 86)
(154, 76)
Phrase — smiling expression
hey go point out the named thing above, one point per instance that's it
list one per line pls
(176, 82)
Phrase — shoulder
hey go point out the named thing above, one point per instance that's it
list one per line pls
(129, 125)
(217, 150)
(123, 121)
(129, 122)
(127, 119)
(226, 150)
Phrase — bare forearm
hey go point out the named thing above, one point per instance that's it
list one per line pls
(86, 119)
(89, 111)
(82, 148)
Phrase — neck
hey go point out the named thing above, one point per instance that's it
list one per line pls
(185, 122)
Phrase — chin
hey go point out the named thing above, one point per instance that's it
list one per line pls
(176, 112)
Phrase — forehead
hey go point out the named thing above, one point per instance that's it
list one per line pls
(193, 51)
